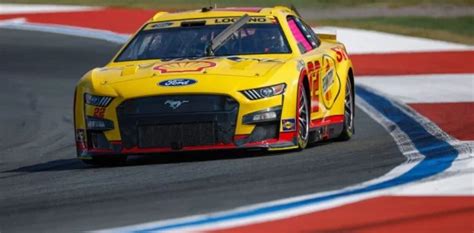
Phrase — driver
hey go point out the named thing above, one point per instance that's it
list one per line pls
(270, 40)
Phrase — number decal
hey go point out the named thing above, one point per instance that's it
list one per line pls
(99, 112)
(313, 74)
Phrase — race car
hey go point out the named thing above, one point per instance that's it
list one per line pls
(215, 79)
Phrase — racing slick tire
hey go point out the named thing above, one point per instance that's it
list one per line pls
(302, 118)
(348, 125)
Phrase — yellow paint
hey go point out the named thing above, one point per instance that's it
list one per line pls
(283, 148)
(133, 79)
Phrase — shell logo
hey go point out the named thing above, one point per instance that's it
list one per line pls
(184, 66)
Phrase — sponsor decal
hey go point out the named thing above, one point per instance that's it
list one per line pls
(328, 80)
(81, 139)
(184, 66)
(232, 20)
(314, 68)
(177, 82)
(300, 65)
(331, 82)
(175, 104)
(288, 124)
(80, 135)
(341, 54)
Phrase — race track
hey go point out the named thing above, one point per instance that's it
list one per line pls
(44, 188)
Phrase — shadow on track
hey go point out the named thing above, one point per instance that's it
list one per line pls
(143, 160)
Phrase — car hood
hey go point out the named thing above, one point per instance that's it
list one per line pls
(244, 67)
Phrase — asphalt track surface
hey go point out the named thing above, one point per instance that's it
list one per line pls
(44, 188)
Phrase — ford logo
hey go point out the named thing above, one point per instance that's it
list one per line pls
(177, 82)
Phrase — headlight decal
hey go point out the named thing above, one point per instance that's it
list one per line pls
(252, 94)
(99, 101)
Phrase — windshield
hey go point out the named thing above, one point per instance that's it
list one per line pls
(192, 41)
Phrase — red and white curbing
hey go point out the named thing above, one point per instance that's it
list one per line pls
(432, 77)
(33, 8)
(358, 41)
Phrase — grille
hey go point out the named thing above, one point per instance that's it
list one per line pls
(200, 120)
(177, 135)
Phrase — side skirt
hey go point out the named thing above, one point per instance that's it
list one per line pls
(327, 132)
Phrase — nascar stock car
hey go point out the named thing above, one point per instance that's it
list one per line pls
(215, 79)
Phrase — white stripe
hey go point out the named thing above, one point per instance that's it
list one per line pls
(22, 24)
(37, 8)
(364, 41)
(426, 88)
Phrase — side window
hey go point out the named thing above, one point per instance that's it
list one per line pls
(304, 43)
(311, 35)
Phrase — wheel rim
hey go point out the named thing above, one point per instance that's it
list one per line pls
(303, 117)
(348, 107)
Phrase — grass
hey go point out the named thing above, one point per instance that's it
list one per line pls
(457, 29)
(188, 4)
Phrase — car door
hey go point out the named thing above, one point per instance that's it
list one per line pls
(320, 66)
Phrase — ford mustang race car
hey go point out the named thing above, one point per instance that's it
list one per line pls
(214, 79)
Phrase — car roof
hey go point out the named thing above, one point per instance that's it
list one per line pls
(222, 12)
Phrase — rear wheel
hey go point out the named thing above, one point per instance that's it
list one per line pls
(303, 118)
(109, 160)
(348, 128)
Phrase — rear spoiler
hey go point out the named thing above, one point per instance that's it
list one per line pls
(326, 33)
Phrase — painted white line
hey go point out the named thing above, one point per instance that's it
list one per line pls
(426, 88)
(14, 21)
(38, 8)
(358, 41)
(22, 24)
(457, 181)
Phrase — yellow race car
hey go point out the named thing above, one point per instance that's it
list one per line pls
(214, 79)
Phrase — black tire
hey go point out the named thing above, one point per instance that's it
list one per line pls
(349, 108)
(302, 119)
(106, 161)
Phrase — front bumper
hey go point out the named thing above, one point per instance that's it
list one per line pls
(202, 122)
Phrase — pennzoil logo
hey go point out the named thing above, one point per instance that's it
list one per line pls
(184, 66)
(288, 124)
(328, 80)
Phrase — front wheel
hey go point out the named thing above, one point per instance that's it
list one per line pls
(303, 118)
(348, 127)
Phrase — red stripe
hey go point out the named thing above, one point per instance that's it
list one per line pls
(327, 121)
(112, 19)
(456, 119)
(414, 63)
(383, 214)
(284, 137)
